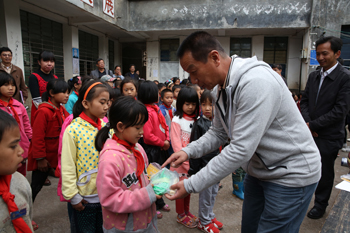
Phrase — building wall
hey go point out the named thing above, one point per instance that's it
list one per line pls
(172, 15)
(152, 70)
(294, 62)
(10, 30)
(258, 47)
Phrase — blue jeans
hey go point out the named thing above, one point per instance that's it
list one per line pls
(269, 207)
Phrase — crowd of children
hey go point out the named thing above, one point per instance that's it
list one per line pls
(98, 137)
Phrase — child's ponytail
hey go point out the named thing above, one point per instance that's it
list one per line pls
(78, 107)
(101, 137)
(54, 86)
(72, 81)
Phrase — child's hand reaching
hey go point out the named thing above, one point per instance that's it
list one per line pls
(157, 196)
(166, 145)
(80, 206)
(43, 165)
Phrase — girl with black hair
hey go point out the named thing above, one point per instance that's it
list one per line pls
(176, 81)
(187, 111)
(79, 159)
(122, 185)
(128, 87)
(207, 221)
(39, 79)
(16, 109)
(47, 125)
(15, 192)
(155, 139)
(75, 84)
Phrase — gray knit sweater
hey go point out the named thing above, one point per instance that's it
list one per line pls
(268, 136)
(23, 198)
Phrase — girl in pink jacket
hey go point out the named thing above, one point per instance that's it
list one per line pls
(126, 196)
(17, 111)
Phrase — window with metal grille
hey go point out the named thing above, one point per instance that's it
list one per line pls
(111, 54)
(345, 51)
(241, 47)
(88, 52)
(40, 34)
(168, 48)
(275, 51)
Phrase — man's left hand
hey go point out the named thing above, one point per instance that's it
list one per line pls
(180, 191)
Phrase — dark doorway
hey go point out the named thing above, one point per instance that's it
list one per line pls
(132, 54)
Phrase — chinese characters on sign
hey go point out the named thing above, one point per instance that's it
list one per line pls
(108, 7)
(89, 2)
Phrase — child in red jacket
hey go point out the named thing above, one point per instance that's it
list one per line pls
(47, 125)
(155, 139)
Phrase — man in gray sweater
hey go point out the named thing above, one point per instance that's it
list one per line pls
(267, 134)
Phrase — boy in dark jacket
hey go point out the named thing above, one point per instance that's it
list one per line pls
(207, 220)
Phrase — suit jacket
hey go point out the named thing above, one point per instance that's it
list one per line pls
(136, 76)
(17, 74)
(326, 116)
(95, 73)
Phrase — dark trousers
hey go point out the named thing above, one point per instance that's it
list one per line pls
(329, 151)
(160, 203)
(88, 220)
(270, 207)
(38, 180)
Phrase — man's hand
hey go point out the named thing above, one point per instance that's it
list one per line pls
(43, 165)
(166, 145)
(180, 193)
(80, 206)
(176, 159)
(314, 134)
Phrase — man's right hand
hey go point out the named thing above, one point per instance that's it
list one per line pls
(80, 206)
(176, 159)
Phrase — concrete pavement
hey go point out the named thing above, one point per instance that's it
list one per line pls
(51, 214)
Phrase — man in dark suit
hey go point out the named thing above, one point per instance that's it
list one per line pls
(132, 74)
(324, 106)
(100, 70)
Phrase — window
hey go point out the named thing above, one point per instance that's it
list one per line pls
(275, 51)
(168, 48)
(88, 49)
(345, 51)
(241, 46)
(111, 54)
(39, 34)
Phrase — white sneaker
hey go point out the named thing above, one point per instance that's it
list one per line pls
(348, 140)
(346, 149)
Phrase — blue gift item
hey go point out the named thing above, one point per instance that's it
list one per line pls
(162, 181)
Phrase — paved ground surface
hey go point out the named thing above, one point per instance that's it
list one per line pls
(51, 214)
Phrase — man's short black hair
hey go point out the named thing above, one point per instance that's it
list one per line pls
(117, 66)
(336, 43)
(200, 44)
(5, 49)
(98, 60)
(278, 66)
(131, 66)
